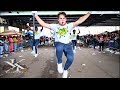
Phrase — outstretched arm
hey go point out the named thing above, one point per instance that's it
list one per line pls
(28, 26)
(81, 19)
(41, 22)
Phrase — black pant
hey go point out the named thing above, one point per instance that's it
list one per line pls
(101, 46)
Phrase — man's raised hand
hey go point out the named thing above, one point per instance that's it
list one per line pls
(34, 12)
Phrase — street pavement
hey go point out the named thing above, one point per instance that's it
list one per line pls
(88, 63)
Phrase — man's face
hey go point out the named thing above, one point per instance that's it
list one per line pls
(62, 20)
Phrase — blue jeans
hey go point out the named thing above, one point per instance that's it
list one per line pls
(20, 46)
(6, 47)
(15, 47)
(94, 45)
(68, 51)
(74, 42)
(36, 43)
(30, 41)
(1, 51)
(63, 50)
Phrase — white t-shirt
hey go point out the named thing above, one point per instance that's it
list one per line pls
(62, 33)
(73, 36)
(37, 34)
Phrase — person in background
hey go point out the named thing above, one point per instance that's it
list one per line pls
(101, 43)
(11, 45)
(6, 45)
(74, 39)
(36, 41)
(29, 36)
(20, 42)
(1, 46)
(15, 43)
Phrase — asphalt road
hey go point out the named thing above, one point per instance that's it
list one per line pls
(87, 64)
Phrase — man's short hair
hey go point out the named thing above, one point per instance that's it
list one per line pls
(63, 13)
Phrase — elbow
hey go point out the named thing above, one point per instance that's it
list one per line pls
(77, 23)
(42, 24)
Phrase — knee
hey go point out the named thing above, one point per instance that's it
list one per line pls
(70, 58)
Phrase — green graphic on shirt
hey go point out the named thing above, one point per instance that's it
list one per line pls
(62, 31)
(73, 36)
(36, 33)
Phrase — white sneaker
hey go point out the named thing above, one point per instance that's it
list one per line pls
(32, 52)
(93, 54)
(21, 50)
(99, 52)
(65, 74)
(74, 51)
(103, 52)
(60, 68)
(75, 47)
(117, 53)
(36, 55)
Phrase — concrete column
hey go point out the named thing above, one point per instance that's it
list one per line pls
(20, 29)
(6, 28)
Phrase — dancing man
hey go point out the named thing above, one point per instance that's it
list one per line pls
(36, 40)
(74, 39)
(62, 38)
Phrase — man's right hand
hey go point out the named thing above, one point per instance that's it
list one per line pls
(34, 12)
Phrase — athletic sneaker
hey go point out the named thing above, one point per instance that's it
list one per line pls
(75, 47)
(65, 74)
(117, 53)
(74, 51)
(32, 52)
(36, 55)
(60, 68)
(93, 54)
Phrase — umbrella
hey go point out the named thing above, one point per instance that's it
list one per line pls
(7, 33)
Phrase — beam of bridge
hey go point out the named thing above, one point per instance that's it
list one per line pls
(56, 12)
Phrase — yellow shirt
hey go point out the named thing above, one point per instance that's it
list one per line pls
(15, 40)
